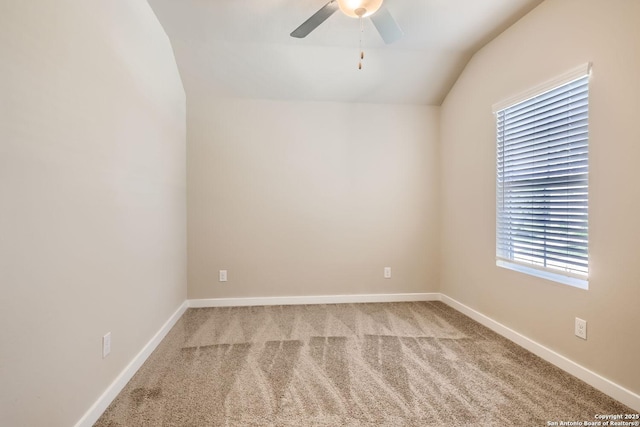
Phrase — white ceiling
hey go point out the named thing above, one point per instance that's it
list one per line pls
(242, 48)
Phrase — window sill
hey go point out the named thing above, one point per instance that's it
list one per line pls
(554, 277)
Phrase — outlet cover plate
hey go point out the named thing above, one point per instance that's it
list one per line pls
(581, 328)
(106, 345)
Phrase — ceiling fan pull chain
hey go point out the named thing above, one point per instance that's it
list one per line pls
(361, 51)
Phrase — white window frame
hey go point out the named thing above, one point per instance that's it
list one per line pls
(503, 259)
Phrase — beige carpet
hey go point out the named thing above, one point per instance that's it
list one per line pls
(391, 364)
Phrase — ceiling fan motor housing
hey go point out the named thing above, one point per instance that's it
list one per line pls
(359, 8)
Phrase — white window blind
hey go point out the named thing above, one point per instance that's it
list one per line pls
(542, 180)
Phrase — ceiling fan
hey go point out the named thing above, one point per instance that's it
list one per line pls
(381, 18)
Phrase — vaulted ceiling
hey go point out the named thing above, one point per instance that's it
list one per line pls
(242, 48)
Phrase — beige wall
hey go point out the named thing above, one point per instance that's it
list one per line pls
(92, 199)
(555, 37)
(300, 199)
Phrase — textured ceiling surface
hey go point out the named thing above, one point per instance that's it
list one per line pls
(242, 48)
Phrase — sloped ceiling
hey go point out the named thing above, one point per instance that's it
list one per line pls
(242, 48)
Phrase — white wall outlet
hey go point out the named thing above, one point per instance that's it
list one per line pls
(581, 328)
(387, 272)
(222, 276)
(106, 345)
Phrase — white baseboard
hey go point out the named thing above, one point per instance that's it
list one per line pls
(317, 299)
(92, 415)
(597, 381)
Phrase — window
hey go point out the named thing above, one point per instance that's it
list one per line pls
(542, 181)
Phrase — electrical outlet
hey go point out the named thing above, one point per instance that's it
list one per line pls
(106, 345)
(581, 328)
(222, 276)
(387, 272)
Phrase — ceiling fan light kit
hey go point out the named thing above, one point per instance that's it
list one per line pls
(359, 8)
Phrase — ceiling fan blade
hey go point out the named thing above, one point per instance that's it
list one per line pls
(386, 26)
(316, 19)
